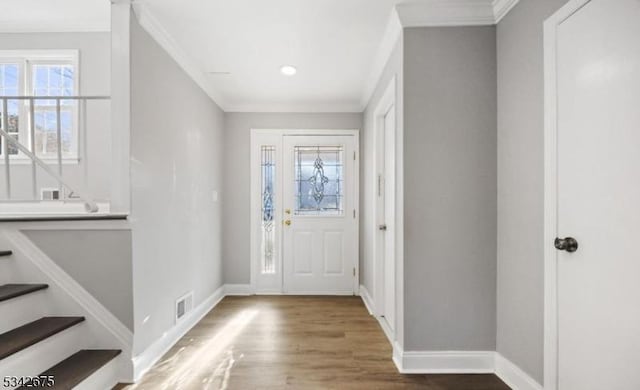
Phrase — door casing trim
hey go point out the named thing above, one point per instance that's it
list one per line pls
(550, 190)
(386, 103)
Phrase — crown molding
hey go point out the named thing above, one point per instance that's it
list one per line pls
(148, 21)
(432, 13)
(501, 8)
(454, 12)
(392, 33)
(308, 108)
(446, 13)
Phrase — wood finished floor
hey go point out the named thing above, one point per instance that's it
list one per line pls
(284, 342)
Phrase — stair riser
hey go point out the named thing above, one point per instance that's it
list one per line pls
(105, 378)
(40, 356)
(23, 309)
(6, 271)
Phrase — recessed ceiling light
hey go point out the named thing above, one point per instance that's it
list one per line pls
(288, 70)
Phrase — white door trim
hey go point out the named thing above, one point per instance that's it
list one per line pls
(384, 105)
(387, 102)
(255, 200)
(550, 191)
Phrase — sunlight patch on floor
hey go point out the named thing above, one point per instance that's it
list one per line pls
(190, 367)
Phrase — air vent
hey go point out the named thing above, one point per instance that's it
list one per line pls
(184, 305)
(50, 194)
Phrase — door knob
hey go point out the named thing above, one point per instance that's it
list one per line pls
(568, 244)
(382, 227)
(287, 222)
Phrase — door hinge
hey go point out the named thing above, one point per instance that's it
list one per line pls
(354, 213)
(354, 156)
(354, 272)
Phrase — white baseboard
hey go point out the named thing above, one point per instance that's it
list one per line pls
(369, 304)
(238, 289)
(144, 361)
(443, 362)
(386, 329)
(463, 362)
(247, 289)
(366, 298)
(321, 293)
(513, 375)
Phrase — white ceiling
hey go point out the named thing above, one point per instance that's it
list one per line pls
(335, 44)
(331, 42)
(54, 15)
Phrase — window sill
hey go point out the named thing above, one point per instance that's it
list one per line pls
(54, 210)
(49, 160)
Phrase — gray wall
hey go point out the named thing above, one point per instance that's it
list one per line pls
(236, 195)
(95, 79)
(368, 190)
(520, 184)
(176, 163)
(450, 188)
(100, 260)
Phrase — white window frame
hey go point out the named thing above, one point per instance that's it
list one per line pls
(25, 60)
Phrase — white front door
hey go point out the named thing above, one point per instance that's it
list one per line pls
(304, 211)
(320, 236)
(598, 197)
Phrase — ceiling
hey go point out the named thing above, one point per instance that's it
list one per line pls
(241, 45)
(235, 48)
(330, 42)
(50, 15)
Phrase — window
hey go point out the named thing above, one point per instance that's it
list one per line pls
(268, 168)
(318, 180)
(10, 86)
(41, 74)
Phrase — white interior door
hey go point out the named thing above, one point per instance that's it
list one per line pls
(320, 237)
(598, 196)
(387, 225)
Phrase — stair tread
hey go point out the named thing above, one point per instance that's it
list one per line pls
(9, 291)
(78, 367)
(5, 253)
(26, 335)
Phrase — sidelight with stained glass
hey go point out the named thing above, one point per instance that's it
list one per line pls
(268, 171)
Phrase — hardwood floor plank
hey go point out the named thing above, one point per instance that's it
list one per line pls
(287, 342)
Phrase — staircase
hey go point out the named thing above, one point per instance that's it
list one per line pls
(31, 344)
